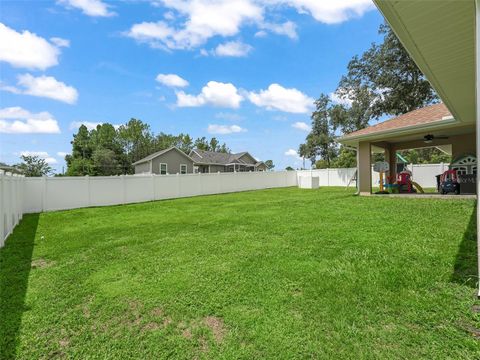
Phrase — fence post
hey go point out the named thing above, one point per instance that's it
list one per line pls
(179, 185)
(152, 178)
(44, 192)
(87, 179)
(2, 204)
(124, 189)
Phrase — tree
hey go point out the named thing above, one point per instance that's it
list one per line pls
(425, 156)
(383, 81)
(289, 168)
(202, 144)
(212, 145)
(137, 142)
(320, 142)
(304, 152)
(346, 158)
(269, 164)
(185, 143)
(32, 166)
(105, 162)
(79, 161)
(108, 151)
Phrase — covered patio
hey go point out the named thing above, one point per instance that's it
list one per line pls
(432, 126)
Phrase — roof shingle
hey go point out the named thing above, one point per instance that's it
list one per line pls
(428, 114)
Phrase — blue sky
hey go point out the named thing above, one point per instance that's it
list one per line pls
(244, 71)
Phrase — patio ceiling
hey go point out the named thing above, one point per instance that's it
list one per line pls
(440, 37)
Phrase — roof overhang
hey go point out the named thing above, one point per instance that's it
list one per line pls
(440, 37)
(447, 126)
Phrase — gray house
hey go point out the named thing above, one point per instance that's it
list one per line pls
(168, 161)
(210, 161)
(175, 161)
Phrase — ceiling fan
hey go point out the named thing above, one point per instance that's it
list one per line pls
(427, 139)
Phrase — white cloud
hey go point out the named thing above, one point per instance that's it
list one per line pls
(224, 129)
(91, 125)
(62, 154)
(261, 34)
(214, 93)
(300, 125)
(336, 99)
(202, 20)
(288, 28)
(60, 42)
(329, 11)
(233, 48)
(95, 8)
(276, 97)
(171, 80)
(26, 49)
(229, 116)
(292, 152)
(41, 154)
(16, 120)
(44, 86)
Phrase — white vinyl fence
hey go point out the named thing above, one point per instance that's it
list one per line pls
(11, 203)
(61, 193)
(423, 174)
(19, 195)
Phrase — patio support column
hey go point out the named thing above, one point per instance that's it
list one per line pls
(364, 168)
(477, 117)
(391, 157)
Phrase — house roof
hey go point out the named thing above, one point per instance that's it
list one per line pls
(161, 152)
(427, 115)
(217, 158)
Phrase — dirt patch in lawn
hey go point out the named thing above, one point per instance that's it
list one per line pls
(64, 342)
(216, 325)
(42, 263)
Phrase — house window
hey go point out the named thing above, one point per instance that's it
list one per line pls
(163, 169)
(183, 169)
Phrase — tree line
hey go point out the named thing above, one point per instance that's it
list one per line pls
(105, 151)
(384, 81)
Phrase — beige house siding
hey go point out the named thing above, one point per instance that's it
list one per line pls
(262, 167)
(173, 159)
(217, 168)
(248, 159)
(142, 168)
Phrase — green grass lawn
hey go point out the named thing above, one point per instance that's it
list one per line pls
(282, 273)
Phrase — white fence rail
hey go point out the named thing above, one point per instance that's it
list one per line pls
(11, 203)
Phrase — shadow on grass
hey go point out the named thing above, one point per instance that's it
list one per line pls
(465, 269)
(15, 265)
